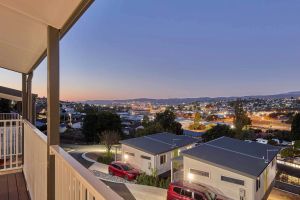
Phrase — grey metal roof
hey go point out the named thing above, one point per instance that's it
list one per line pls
(12, 94)
(246, 158)
(159, 143)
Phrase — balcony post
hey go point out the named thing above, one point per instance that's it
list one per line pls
(24, 96)
(53, 118)
(29, 97)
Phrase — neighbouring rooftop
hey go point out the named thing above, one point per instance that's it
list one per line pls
(160, 142)
(246, 158)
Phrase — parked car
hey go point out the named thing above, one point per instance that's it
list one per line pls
(177, 191)
(123, 170)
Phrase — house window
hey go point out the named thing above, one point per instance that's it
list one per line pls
(199, 172)
(257, 183)
(145, 157)
(130, 154)
(163, 159)
(232, 180)
(273, 162)
(149, 165)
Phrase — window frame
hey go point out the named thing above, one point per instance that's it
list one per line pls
(200, 172)
(146, 157)
(130, 154)
(165, 159)
(232, 180)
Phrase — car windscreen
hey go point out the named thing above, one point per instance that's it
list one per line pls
(127, 167)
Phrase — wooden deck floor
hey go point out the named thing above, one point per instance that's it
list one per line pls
(13, 187)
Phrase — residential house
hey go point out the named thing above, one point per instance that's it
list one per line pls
(239, 169)
(153, 153)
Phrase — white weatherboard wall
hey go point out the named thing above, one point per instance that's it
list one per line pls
(266, 179)
(230, 190)
(137, 161)
(143, 164)
(167, 165)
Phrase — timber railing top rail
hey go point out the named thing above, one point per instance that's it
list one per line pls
(10, 116)
(97, 187)
(41, 135)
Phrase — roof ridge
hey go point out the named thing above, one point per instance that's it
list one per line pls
(159, 141)
(244, 154)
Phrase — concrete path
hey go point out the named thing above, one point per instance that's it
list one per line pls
(99, 167)
(129, 191)
(277, 194)
(144, 192)
(121, 189)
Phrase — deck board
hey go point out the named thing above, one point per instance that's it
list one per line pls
(21, 184)
(13, 187)
(3, 188)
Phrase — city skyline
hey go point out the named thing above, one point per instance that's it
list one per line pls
(166, 50)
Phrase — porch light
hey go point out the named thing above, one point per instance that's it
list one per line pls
(190, 176)
(125, 157)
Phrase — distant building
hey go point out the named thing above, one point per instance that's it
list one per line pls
(262, 141)
(154, 152)
(190, 133)
(240, 169)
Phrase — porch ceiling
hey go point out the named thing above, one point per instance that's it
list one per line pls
(23, 29)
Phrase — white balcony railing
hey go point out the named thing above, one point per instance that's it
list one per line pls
(72, 180)
(35, 161)
(10, 141)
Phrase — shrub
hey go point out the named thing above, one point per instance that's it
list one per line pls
(106, 159)
(155, 181)
(297, 144)
(289, 152)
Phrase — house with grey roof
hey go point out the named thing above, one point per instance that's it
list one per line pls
(153, 153)
(239, 169)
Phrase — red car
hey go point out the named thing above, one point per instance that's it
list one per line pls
(123, 170)
(178, 191)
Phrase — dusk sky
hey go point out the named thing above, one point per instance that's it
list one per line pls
(176, 48)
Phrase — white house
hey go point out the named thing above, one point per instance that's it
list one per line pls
(153, 153)
(239, 169)
(77, 125)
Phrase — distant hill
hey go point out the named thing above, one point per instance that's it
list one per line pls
(175, 101)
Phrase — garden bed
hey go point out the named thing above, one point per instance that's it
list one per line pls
(101, 157)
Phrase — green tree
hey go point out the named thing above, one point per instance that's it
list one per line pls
(145, 121)
(197, 118)
(151, 128)
(95, 123)
(241, 118)
(295, 128)
(167, 121)
(164, 122)
(5, 106)
(89, 128)
(218, 131)
(109, 138)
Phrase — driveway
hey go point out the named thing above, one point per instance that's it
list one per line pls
(121, 189)
(76, 152)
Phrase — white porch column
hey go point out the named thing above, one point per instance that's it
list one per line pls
(29, 97)
(53, 117)
(24, 96)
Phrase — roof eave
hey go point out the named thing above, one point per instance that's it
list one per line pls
(78, 12)
(220, 166)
